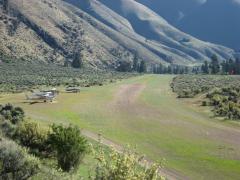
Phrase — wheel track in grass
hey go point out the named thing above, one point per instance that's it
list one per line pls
(125, 99)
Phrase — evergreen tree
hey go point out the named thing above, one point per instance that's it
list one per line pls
(181, 71)
(237, 66)
(124, 66)
(160, 69)
(169, 69)
(197, 70)
(194, 70)
(165, 70)
(215, 67)
(231, 67)
(154, 68)
(205, 68)
(186, 70)
(225, 67)
(5, 6)
(135, 63)
(177, 69)
(77, 60)
(143, 67)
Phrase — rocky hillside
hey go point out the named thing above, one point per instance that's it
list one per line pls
(103, 32)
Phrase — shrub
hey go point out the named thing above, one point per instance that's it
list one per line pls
(13, 114)
(216, 100)
(8, 129)
(223, 92)
(124, 66)
(202, 83)
(30, 134)
(10, 116)
(70, 146)
(20, 76)
(15, 162)
(17, 114)
(205, 103)
(121, 166)
(226, 102)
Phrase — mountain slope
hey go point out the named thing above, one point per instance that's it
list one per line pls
(216, 21)
(157, 29)
(222, 25)
(105, 32)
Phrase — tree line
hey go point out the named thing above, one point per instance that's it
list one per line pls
(227, 67)
(137, 65)
(230, 67)
(171, 69)
(140, 66)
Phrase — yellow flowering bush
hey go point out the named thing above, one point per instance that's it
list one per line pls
(126, 165)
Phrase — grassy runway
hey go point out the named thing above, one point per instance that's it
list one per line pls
(143, 111)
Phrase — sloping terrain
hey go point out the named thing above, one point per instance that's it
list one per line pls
(215, 21)
(222, 25)
(103, 32)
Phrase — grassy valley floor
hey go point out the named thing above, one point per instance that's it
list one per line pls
(143, 112)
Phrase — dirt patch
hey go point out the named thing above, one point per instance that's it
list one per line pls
(125, 102)
(127, 94)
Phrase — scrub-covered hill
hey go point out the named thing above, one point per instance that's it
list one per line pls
(102, 32)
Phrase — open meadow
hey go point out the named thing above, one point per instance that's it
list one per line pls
(144, 112)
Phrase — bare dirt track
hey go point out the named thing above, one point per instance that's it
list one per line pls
(127, 94)
(125, 99)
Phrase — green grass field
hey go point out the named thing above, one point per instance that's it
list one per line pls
(143, 112)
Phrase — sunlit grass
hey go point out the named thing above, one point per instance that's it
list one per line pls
(164, 127)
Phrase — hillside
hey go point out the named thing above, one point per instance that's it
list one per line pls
(210, 20)
(103, 32)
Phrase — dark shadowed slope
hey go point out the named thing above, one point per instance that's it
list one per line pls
(215, 21)
(155, 27)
